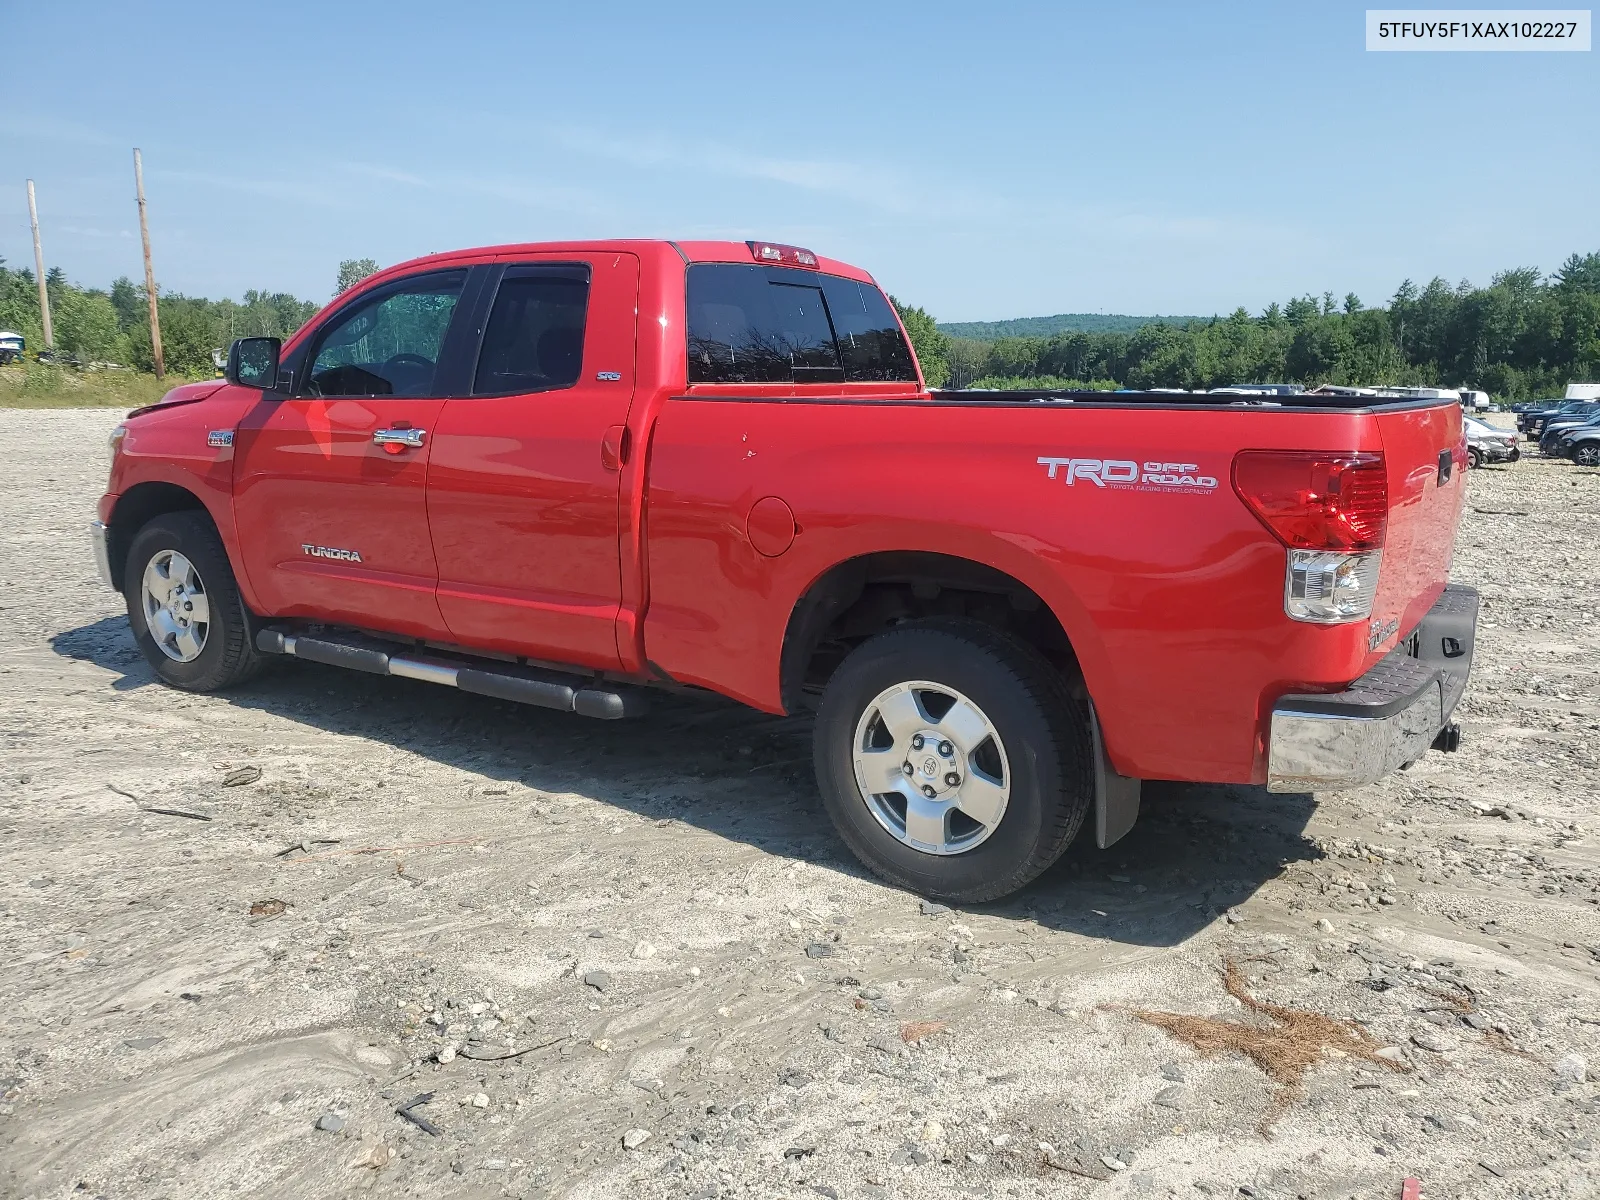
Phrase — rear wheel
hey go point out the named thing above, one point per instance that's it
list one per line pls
(1474, 456)
(953, 760)
(184, 605)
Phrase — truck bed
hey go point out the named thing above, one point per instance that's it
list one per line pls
(1172, 595)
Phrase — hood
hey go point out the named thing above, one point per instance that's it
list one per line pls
(184, 393)
(193, 391)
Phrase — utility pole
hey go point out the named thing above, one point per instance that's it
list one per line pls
(149, 271)
(38, 267)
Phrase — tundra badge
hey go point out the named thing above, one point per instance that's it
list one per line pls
(330, 552)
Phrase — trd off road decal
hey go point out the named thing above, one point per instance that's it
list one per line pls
(1124, 474)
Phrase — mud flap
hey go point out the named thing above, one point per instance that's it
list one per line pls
(1116, 797)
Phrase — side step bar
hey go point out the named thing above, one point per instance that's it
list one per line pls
(585, 695)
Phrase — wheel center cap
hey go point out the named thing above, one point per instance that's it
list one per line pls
(930, 767)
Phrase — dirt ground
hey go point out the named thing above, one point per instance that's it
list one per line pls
(575, 934)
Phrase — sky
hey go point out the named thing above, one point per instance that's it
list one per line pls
(983, 161)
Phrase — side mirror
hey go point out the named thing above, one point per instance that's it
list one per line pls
(253, 362)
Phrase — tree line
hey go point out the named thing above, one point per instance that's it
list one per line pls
(1524, 336)
(95, 325)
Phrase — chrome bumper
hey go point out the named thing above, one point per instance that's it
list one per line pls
(1385, 720)
(102, 559)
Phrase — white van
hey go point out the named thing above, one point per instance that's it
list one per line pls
(1474, 401)
(1583, 391)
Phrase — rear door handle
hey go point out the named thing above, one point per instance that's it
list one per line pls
(400, 437)
(614, 446)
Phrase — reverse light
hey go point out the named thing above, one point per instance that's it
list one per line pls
(1330, 510)
(1329, 587)
(775, 252)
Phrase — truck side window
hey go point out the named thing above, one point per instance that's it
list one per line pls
(534, 339)
(871, 345)
(389, 344)
(759, 325)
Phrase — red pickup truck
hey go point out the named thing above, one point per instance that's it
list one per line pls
(567, 473)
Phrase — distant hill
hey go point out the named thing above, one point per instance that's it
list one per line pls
(1060, 323)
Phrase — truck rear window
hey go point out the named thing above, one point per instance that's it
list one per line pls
(756, 324)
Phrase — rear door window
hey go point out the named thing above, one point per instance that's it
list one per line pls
(755, 324)
(533, 341)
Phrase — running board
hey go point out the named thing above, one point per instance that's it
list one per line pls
(585, 695)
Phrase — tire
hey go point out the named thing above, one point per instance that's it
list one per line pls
(1038, 751)
(1513, 454)
(1587, 454)
(1474, 457)
(226, 653)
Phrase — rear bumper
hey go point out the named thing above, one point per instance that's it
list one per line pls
(102, 558)
(1385, 720)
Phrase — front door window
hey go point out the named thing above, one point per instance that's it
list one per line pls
(389, 344)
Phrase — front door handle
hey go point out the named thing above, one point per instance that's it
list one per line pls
(392, 438)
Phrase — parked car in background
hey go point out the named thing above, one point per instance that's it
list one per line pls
(1334, 389)
(1424, 393)
(1533, 421)
(1485, 443)
(1564, 443)
(1266, 389)
(1475, 401)
(1557, 427)
(11, 347)
(1582, 445)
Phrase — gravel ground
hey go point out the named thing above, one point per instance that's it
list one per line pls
(632, 959)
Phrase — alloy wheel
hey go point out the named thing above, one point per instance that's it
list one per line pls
(931, 767)
(176, 607)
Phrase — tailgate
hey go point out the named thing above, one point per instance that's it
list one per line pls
(1426, 461)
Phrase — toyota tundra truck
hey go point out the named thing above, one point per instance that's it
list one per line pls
(571, 474)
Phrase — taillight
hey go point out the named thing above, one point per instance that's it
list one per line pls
(1316, 501)
(1330, 510)
(773, 252)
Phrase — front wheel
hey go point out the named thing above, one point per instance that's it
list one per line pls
(1474, 456)
(1587, 455)
(953, 760)
(184, 605)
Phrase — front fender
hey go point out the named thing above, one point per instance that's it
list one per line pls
(167, 447)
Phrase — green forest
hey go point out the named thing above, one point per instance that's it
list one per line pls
(1043, 327)
(1525, 335)
(94, 325)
